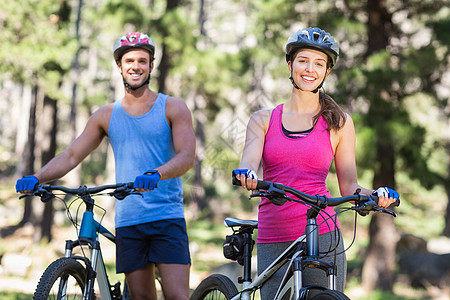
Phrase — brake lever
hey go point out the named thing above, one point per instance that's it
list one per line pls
(365, 207)
(25, 195)
(387, 211)
(275, 199)
(44, 194)
(121, 193)
(259, 194)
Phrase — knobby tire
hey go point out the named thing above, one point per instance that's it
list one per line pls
(215, 287)
(330, 295)
(63, 270)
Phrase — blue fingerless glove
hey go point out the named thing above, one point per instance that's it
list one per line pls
(247, 172)
(386, 192)
(27, 183)
(147, 181)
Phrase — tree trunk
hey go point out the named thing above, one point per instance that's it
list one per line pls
(74, 177)
(28, 155)
(166, 59)
(198, 194)
(75, 75)
(378, 270)
(446, 231)
(380, 257)
(48, 130)
(379, 24)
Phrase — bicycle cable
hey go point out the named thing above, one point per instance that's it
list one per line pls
(77, 199)
(321, 212)
(326, 218)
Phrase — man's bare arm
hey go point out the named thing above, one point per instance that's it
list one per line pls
(180, 120)
(82, 146)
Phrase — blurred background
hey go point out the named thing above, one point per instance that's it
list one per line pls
(226, 59)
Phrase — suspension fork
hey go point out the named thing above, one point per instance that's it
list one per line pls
(298, 270)
(312, 251)
(90, 265)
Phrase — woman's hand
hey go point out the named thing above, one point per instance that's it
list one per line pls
(247, 177)
(386, 196)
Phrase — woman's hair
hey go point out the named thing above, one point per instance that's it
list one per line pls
(331, 112)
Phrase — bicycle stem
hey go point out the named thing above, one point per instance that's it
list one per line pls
(312, 233)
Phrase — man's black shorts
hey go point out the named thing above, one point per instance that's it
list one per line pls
(163, 241)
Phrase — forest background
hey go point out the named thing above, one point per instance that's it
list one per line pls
(226, 59)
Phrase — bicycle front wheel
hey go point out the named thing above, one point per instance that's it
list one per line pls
(330, 295)
(63, 279)
(215, 287)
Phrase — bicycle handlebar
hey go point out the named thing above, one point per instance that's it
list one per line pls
(276, 193)
(121, 190)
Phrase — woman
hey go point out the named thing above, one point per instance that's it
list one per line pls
(297, 142)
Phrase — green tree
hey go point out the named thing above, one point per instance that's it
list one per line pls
(383, 77)
(375, 74)
(37, 43)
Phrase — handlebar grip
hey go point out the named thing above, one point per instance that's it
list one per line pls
(261, 185)
(235, 181)
(395, 203)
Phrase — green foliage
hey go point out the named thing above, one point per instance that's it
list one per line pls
(126, 12)
(440, 28)
(39, 40)
(36, 43)
(95, 165)
(12, 295)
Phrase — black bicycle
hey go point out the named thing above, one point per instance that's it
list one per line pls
(73, 276)
(301, 254)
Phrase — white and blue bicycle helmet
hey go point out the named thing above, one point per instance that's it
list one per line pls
(313, 38)
(316, 39)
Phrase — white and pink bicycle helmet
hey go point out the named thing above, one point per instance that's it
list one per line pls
(133, 40)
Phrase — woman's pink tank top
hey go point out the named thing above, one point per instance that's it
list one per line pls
(299, 163)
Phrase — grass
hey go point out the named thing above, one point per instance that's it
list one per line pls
(11, 295)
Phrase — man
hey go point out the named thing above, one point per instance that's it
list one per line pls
(154, 144)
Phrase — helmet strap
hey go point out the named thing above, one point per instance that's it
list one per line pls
(293, 82)
(128, 86)
(319, 87)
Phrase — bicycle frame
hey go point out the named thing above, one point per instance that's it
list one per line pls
(95, 266)
(301, 254)
(249, 287)
(84, 268)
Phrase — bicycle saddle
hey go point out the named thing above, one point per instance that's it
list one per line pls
(233, 222)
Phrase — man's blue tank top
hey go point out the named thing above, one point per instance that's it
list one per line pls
(140, 144)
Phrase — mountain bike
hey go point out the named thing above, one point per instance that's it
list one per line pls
(301, 254)
(73, 276)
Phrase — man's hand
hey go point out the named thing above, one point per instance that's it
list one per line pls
(147, 182)
(26, 184)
